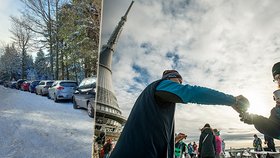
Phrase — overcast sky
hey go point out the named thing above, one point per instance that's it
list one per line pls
(229, 46)
(8, 8)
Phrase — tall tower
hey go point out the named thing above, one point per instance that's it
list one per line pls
(109, 117)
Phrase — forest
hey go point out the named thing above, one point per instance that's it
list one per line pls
(52, 39)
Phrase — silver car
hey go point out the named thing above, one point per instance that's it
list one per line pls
(62, 89)
(43, 86)
(84, 93)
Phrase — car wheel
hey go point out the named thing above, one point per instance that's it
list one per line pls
(55, 98)
(75, 106)
(90, 110)
(48, 96)
(41, 93)
(36, 92)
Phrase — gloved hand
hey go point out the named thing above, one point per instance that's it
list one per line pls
(242, 104)
(247, 118)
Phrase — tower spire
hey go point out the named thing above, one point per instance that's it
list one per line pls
(107, 108)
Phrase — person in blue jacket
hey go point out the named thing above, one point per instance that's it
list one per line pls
(149, 130)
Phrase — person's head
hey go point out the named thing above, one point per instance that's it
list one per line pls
(216, 132)
(172, 75)
(109, 140)
(276, 73)
(255, 136)
(207, 125)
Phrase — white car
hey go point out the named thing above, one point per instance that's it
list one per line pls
(42, 87)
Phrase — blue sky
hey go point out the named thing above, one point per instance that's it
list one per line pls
(8, 8)
(229, 46)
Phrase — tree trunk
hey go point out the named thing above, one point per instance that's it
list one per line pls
(23, 69)
(57, 41)
(51, 39)
(62, 65)
(67, 67)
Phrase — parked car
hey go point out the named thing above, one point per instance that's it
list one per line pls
(84, 93)
(62, 89)
(32, 85)
(19, 82)
(42, 87)
(25, 86)
(6, 83)
(13, 84)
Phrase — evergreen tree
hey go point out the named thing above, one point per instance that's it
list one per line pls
(41, 66)
(10, 65)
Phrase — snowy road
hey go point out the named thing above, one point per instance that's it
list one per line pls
(33, 126)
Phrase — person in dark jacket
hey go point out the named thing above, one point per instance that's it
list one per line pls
(149, 130)
(269, 141)
(268, 126)
(207, 143)
(257, 143)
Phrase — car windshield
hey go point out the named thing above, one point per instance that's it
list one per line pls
(35, 82)
(68, 84)
(49, 83)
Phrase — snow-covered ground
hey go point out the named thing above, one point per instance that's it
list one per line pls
(33, 126)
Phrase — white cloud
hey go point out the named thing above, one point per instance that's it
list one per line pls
(225, 45)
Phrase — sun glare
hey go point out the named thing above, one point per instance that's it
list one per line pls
(258, 104)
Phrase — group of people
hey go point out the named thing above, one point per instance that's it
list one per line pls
(186, 150)
(258, 146)
(102, 148)
(210, 145)
(149, 130)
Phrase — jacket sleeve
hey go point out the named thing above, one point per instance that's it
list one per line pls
(267, 126)
(200, 145)
(214, 144)
(177, 93)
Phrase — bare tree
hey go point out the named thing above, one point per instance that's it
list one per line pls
(21, 36)
(42, 16)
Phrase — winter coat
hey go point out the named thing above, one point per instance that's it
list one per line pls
(269, 126)
(207, 143)
(218, 141)
(149, 130)
(257, 143)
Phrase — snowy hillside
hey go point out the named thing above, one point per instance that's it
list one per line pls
(33, 126)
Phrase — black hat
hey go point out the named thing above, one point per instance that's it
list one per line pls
(171, 74)
(276, 69)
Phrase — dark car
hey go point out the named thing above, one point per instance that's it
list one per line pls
(19, 82)
(6, 83)
(13, 84)
(84, 93)
(32, 86)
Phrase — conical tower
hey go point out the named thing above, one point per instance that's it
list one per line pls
(109, 117)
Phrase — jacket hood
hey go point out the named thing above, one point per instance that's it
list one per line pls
(206, 130)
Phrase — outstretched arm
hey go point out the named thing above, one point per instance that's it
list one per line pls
(177, 93)
(262, 124)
